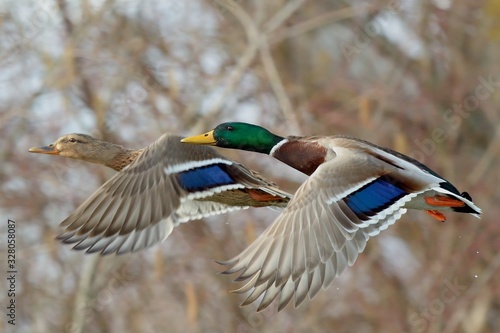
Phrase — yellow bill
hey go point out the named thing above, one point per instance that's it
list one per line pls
(202, 139)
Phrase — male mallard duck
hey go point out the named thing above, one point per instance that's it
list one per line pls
(156, 188)
(355, 190)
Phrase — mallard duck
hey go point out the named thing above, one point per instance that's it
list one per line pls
(155, 189)
(355, 190)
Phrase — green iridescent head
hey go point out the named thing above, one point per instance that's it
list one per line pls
(237, 135)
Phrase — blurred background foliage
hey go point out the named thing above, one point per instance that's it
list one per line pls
(421, 77)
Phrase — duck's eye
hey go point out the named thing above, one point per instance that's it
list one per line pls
(229, 128)
(72, 140)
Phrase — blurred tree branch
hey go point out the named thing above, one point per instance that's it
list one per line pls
(136, 69)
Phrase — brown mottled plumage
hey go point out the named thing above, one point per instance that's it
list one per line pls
(155, 190)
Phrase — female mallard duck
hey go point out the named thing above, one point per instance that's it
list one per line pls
(156, 188)
(355, 190)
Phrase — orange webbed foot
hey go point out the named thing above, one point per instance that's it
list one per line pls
(443, 201)
(437, 215)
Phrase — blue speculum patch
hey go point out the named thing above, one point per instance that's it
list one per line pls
(204, 178)
(374, 197)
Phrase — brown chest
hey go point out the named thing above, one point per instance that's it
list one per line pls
(301, 155)
(124, 159)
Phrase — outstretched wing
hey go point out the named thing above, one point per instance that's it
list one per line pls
(348, 199)
(168, 183)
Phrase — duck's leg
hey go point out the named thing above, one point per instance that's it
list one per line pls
(441, 201)
(444, 201)
(437, 215)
